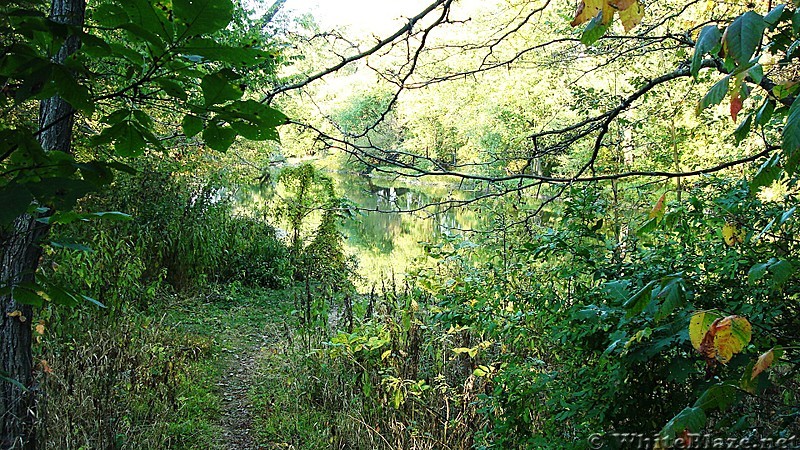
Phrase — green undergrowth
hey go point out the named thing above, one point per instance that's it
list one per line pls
(149, 380)
(138, 383)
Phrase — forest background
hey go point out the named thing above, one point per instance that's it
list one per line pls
(175, 273)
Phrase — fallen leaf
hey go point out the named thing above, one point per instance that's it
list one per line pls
(45, 367)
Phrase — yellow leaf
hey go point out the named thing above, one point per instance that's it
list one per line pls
(699, 325)
(17, 313)
(40, 328)
(621, 4)
(386, 354)
(732, 234)
(733, 333)
(588, 10)
(658, 209)
(764, 362)
(632, 16)
(721, 338)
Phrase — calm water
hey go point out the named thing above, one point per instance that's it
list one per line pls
(382, 234)
(387, 233)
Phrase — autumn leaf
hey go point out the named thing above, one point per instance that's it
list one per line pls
(707, 344)
(699, 326)
(17, 313)
(632, 16)
(718, 337)
(765, 361)
(621, 4)
(630, 12)
(736, 106)
(40, 328)
(589, 9)
(45, 367)
(733, 333)
(732, 234)
(658, 209)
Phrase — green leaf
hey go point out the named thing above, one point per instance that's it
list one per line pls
(781, 272)
(709, 41)
(672, 294)
(62, 217)
(93, 301)
(756, 73)
(648, 226)
(60, 191)
(94, 46)
(4, 376)
(212, 50)
(144, 19)
(715, 95)
(689, 419)
(172, 88)
(617, 290)
(61, 296)
(785, 90)
(219, 137)
(791, 135)
(773, 16)
(253, 120)
(96, 172)
(128, 140)
(70, 245)
(15, 200)
(758, 271)
(767, 173)
(743, 129)
(70, 90)
(217, 87)
(636, 303)
(765, 230)
(743, 36)
(719, 396)
(191, 125)
(764, 113)
(114, 216)
(27, 297)
(198, 17)
(594, 30)
(786, 215)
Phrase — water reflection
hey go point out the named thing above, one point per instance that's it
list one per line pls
(391, 221)
(387, 232)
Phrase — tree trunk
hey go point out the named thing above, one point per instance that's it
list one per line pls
(19, 261)
(19, 255)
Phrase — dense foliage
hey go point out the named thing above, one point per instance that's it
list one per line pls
(628, 275)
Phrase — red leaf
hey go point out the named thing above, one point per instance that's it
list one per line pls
(736, 106)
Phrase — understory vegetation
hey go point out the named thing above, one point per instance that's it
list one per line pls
(501, 225)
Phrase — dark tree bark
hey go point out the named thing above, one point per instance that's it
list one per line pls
(19, 255)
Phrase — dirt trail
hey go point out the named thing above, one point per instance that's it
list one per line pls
(242, 346)
(235, 403)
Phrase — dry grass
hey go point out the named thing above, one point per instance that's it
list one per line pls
(119, 384)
